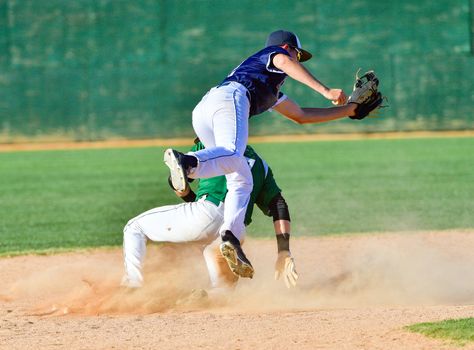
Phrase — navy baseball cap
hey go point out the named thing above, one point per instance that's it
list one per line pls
(281, 37)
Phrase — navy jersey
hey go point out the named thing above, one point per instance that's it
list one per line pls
(261, 78)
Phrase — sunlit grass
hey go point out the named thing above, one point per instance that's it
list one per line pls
(459, 331)
(82, 198)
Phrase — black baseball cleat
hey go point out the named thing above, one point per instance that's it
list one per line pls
(232, 252)
(179, 165)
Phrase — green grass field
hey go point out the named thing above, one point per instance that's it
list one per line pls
(460, 332)
(52, 200)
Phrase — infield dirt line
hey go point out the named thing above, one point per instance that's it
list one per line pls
(174, 142)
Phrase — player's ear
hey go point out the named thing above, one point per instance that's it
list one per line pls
(285, 46)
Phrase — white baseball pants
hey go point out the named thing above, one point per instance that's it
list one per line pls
(187, 222)
(220, 120)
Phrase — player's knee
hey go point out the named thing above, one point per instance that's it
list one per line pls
(231, 161)
(232, 150)
(241, 176)
(131, 228)
(240, 185)
(248, 182)
(247, 186)
(240, 188)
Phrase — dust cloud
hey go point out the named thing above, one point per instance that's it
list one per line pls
(351, 271)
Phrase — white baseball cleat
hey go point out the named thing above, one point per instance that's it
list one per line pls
(174, 161)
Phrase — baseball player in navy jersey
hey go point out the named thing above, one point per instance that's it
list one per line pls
(199, 220)
(221, 122)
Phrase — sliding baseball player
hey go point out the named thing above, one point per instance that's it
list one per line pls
(199, 220)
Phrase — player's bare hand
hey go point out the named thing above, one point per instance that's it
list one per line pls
(337, 96)
(285, 266)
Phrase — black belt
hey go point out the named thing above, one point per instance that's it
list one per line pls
(247, 93)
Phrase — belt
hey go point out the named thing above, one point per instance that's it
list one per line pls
(212, 199)
(247, 93)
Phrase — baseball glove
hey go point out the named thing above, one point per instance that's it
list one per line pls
(365, 94)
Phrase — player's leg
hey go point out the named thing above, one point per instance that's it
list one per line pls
(222, 113)
(186, 222)
(134, 249)
(231, 132)
(180, 163)
(221, 123)
(230, 128)
(239, 187)
(229, 108)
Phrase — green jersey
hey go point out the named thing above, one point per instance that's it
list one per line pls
(264, 185)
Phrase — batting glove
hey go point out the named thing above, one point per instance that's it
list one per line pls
(285, 266)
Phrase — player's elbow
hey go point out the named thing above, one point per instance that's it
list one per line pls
(297, 117)
(278, 208)
(292, 111)
(299, 120)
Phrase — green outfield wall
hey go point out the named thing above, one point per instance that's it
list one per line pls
(96, 69)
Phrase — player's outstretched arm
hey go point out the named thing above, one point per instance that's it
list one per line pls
(293, 111)
(285, 264)
(297, 71)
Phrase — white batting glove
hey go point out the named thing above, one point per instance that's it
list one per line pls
(285, 266)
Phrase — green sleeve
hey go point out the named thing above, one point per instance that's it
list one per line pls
(269, 190)
(197, 146)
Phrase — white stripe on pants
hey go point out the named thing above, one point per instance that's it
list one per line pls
(220, 121)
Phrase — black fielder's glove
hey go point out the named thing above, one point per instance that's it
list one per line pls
(365, 95)
(364, 109)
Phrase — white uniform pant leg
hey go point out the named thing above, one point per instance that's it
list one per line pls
(187, 222)
(221, 122)
(134, 249)
(239, 188)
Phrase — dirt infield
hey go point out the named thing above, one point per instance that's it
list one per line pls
(354, 292)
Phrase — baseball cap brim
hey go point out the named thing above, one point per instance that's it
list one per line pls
(305, 55)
